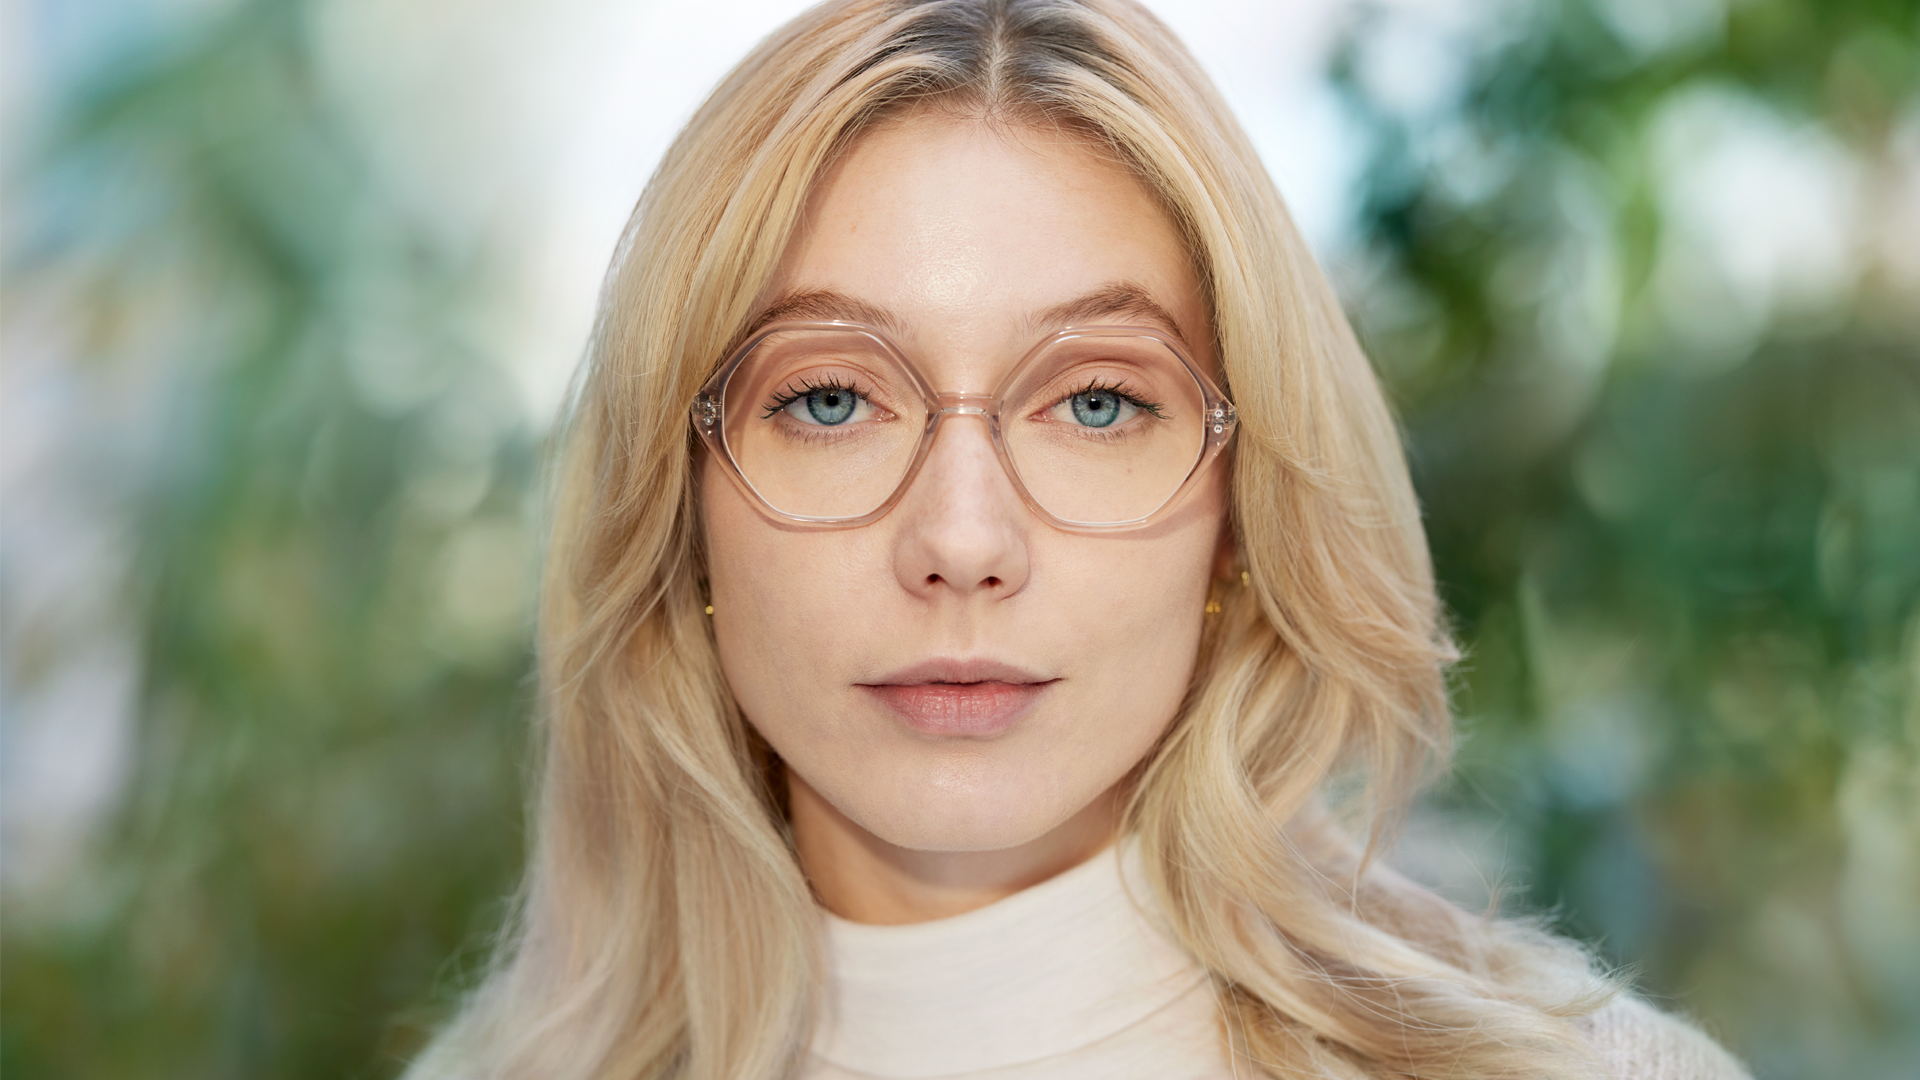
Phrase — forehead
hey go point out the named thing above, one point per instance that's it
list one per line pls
(977, 235)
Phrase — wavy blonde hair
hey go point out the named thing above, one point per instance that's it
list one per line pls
(665, 928)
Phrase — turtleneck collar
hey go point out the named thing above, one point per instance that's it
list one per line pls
(1045, 972)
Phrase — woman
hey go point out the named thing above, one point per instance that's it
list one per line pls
(981, 548)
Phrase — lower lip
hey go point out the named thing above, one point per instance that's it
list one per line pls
(982, 708)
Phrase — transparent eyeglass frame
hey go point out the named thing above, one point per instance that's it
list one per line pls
(709, 420)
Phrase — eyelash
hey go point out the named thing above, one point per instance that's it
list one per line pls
(1151, 408)
(807, 386)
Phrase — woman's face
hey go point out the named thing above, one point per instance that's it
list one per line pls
(960, 675)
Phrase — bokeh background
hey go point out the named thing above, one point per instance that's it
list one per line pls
(292, 289)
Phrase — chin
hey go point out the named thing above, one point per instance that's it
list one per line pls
(932, 815)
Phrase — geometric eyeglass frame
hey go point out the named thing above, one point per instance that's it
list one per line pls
(1219, 420)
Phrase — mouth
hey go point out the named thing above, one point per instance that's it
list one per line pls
(954, 697)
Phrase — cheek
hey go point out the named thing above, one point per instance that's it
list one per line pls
(778, 597)
(795, 611)
(1132, 616)
(1130, 612)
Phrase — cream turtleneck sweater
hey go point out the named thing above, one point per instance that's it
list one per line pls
(1072, 980)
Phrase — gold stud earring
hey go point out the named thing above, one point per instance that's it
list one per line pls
(709, 609)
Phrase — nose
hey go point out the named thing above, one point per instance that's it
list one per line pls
(961, 528)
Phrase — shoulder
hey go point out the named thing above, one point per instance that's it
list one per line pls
(1639, 1042)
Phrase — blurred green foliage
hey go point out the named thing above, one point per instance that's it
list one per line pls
(1638, 286)
(1672, 477)
(333, 559)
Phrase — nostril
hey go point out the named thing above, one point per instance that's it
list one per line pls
(991, 583)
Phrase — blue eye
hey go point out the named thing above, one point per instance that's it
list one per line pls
(1097, 408)
(830, 405)
(826, 406)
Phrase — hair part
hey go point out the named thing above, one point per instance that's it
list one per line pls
(664, 928)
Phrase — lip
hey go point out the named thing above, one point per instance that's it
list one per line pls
(959, 697)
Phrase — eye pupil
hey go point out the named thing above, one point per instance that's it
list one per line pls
(1096, 408)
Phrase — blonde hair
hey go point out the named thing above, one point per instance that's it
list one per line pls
(665, 929)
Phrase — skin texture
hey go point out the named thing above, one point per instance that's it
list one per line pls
(963, 230)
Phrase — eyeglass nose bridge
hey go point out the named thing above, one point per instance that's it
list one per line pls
(955, 404)
(950, 404)
(959, 404)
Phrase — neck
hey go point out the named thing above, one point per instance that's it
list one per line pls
(863, 878)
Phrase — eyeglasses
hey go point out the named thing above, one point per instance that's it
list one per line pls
(1099, 428)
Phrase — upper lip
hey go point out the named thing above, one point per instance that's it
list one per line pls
(941, 670)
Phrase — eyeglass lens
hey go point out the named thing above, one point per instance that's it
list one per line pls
(1100, 428)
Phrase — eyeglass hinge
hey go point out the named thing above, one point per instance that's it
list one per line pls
(707, 410)
(1221, 416)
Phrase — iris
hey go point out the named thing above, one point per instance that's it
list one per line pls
(830, 404)
(1096, 408)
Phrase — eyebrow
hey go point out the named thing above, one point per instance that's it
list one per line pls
(826, 305)
(1114, 299)
(1118, 298)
